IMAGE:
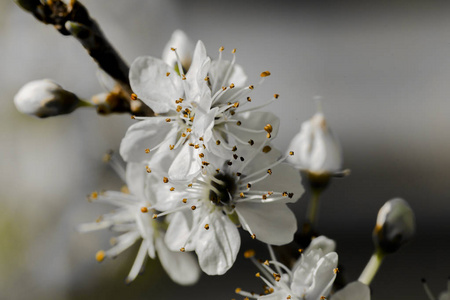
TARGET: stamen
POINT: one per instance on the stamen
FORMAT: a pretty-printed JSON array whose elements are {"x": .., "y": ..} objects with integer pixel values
[{"x": 427, "y": 290}]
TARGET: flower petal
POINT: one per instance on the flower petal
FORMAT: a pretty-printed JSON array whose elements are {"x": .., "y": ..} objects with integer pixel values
[
  {"x": 184, "y": 46},
  {"x": 146, "y": 135},
  {"x": 181, "y": 267},
  {"x": 255, "y": 120},
  {"x": 186, "y": 165},
  {"x": 178, "y": 231},
  {"x": 272, "y": 223},
  {"x": 217, "y": 247},
  {"x": 149, "y": 80}
]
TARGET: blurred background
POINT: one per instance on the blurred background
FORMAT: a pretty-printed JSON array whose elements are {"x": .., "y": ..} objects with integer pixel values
[{"x": 382, "y": 70}]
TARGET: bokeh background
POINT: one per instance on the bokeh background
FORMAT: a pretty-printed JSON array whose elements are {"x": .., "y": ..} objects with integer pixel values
[{"x": 382, "y": 70}]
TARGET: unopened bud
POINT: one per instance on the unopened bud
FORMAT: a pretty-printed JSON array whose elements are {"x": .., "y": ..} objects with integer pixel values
[
  {"x": 395, "y": 225},
  {"x": 45, "y": 98}
]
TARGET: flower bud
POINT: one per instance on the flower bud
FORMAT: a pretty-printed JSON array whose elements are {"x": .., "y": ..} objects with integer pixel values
[
  {"x": 45, "y": 98},
  {"x": 395, "y": 225},
  {"x": 315, "y": 148}
]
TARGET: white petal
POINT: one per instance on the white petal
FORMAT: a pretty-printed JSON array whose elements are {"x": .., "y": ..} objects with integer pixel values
[
  {"x": 138, "y": 262},
  {"x": 272, "y": 223},
  {"x": 353, "y": 291},
  {"x": 218, "y": 71},
  {"x": 145, "y": 135},
  {"x": 149, "y": 81},
  {"x": 181, "y": 267},
  {"x": 204, "y": 123},
  {"x": 217, "y": 247},
  {"x": 197, "y": 71},
  {"x": 178, "y": 231},
  {"x": 186, "y": 165},
  {"x": 136, "y": 176},
  {"x": 324, "y": 276},
  {"x": 184, "y": 46},
  {"x": 277, "y": 295},
  {"x": 322, "y": 242}
]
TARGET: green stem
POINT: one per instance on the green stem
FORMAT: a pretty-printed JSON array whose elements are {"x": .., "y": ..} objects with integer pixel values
[
  {"x": 313, "y": 209},
  {"x": 371, "y": 268}
]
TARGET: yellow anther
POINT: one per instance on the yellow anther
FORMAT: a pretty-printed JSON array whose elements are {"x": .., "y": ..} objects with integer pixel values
[
  {"x": 184, "y": 200},
  {"x": 183, "y": 134},
  {"x": 268, "y": 128},
  {"x": 231, "y": 85},
  {"x": 251, "y": 142},
  {"x": 133, "y": 117},
  {"x": 206, "y": 226},
  {"x": 266, "y": 149},
  {"x": 224, "y": 88},
  {"x": 154, "y": 216},
  {"x": 206, "y": 78},
  {"x": 291, "y": 153},
  {"x": 300, "y": 250},
  {"x": 147, "y": 151},
  {"x": 147, "y": 168},
  {"x": 182, "y": 249},
  {"x": 171, "y": 147},
  {"x": 265, "y": 74},
  {"x": 249, "y": 253},
  {"x": 179, "y": 108},
  {"x": 172, "y": 189},
  {"x": 173, "y": 49},
  {"x": 193, "y": 207},
  {"x": 144, "y": 209},
  {"x": 241, "y": 195},
  {"x": 276, "y": 96},
  {"x": 335, "y": 270},
  {"x": 168, "y": 120},
  {"x": 100, "y": 255},
  {"x": 165, "y": 179},
  {"x": 221, "y": 48},
  {"x": 234, "y": 148},
  {"x": 167, "y": 74},
  {"x": 249, "y": 99},
  {"x": 205, "y": 163},
  {"x": 258, "y": 274},
  {"x": 269, "y": 171},
  {"x": 218, "y": 142},
  {"x": 133, "y": 96},
  {"x": 188, "y": 129},
  {"x": 253, "y": 236},
  {"x": 183, "y": 77},
  {"x": 266, "y": 262},
  {"x": 251, "y": 87},
  {"x": 94, "y": 195},
  {"x": 201, "y": 155},
  {"x": 233, "y": 51},
  {"x": 196, "y": 146}
]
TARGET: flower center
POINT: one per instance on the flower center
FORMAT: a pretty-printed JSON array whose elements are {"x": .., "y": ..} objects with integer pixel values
[{"x": 223, "y": 187}]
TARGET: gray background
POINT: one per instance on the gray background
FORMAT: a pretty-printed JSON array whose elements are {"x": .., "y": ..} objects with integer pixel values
[{"x": 381, "y": 69}]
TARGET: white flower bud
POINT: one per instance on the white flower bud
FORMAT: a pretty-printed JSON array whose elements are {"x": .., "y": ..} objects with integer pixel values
[
  {"x": 315, "y": 149},
  {"x": 395, "y": 225},
  {"x": 45, "y": 98}
]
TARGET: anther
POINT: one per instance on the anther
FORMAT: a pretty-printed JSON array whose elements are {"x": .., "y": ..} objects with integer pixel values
[
  {"x": 242, "y": 195},
  {"x": 229, "y": 163},
  {"x": 238, "y": 174},
  {"x": 241, "y": 158},
  {"x": 238, "y": 123},
  {"x": 251, "y": 142},
  {"x": 269, "y": 171},
  {"x": 100, "y": 255},
  {"x": 183, "y": 77},
  {"x": 264, "y": 197},
  {"x": 147, "y": 151},
  {"x": 94, "y": 195},
  {"x": 173, "y": 49},
  {"x": 266, "y": 262},
  {"x": 172, "y": 189},
  {"x": 165, "y": 179},
  {"x": 133, "y": 117},
  {"x": 197, "y": 146},
  {"x": 179, "y": 108},
  {"x": 251, "y": 87},
  {"x": 184, "y": 200},
  {"x": 235, "y": 156},
  {"x": 182, "y": 249},
  {"x": 285, "y": 194},
  {"x": 133, "y": 96},
  {"x": 288, "y": 297},
  {"x": 290, "y": 195},
  {"x": 253, "y": 236},
  {"x": 335, "y": 270},
  {"x": 276, "y": 96},
  {"x": 266, "y": 149},
  {"x": 249, "y": 253},
  {"x": 154, "y": 216},
  {"x": 265, "y": 74},
  {"x": 167, "y": 74},
  {"x": 249, "y": 99},
  {"x": 268, "y": 128},
  {"x": 218, "y": 142},
  {"x": 300, "y": 250},
  {"x": 193, "y": 207},
  {"x": 144, "y": 209},
  {"x": 291, "y": 153},
  {"x": 205, "y": 163},
  {"x": 234, "y": 148},
  {"x": 224, "y": 88},
  {"x": 201, "y": 155},
  {"x": 258, "y": 274},
  {"x": 233, "y": 51},
  {"x": 168, "y": 120},
  {"x": 231, "y": 85},
  {"x": 207, "y": 226},
  {"x": 148, "y": 169},
  {"x": 249, "y": 185},
  {"x": 206, "y": 78},
  {"x": 237, "y": 290},
  {"x": 221, "y": 48},
  {"x": 171, "y": 147},
  {"x": 201, "y": 138}
]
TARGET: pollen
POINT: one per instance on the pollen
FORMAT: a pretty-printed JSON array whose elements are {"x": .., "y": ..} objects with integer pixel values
[
  {"x": 300, "y": 250},
  {"x": 291, "y": 153},
  {"x": 266, "y": 149},
  {"x": 172, "y": 189},
  {"x": 251, "y": 142},
  {"x": 193, "y": 207},
  {"x": 179, "y": 108},
  {"x": 182, "y": 249},
  {"x": 276, "y": 96},
  {"x": 133, "y": 96},
  {"x": 100, "y": 256},
  {"x": 265, "y": 74},
  {"x": 147, "y": 151},
  {"x": 201, "y": 155},
  {"x": 242, "y": 195},
  {"x": 206, "y": 78},
  {"x": 233, "y": 51},
  {"x": 206, "y": 226},
  {"x": 167, "y": 74},
  {"x": 249, "y": 99},
  {"x": 171, "y": 147},
  {"x": 253, "y": 236},
  {"x": 232, "y": 85},
  {"x": 154, "y": 216},
  {"x": 148, "y": 169},
  {"x": 173, "y": 49},
  {"x": 249, "y": 253},
  {"x": 269, "y": 171},
  {"x": 184, "y": 200},
  {"x": 335, "y": 270},
  {"x": 268, "y": 128},
  {"x": 168, "y": 120},
  {"x": 165, "y": 179},
  {"x": 197, "y": 146},
  {"x": 221, "y": 48},
  {"x": 251, "y": 87},
  {"x": 144, "y": 209},
  {"x": 258, "y": 274}
]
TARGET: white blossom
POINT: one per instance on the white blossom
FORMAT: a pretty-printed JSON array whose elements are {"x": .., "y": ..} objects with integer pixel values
[
  {"x": 202, "y": 106},
  {"x": 132, "y": 220},
  {"x": 353, "y": 291},
  {"x": 316, "y": 149}
]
